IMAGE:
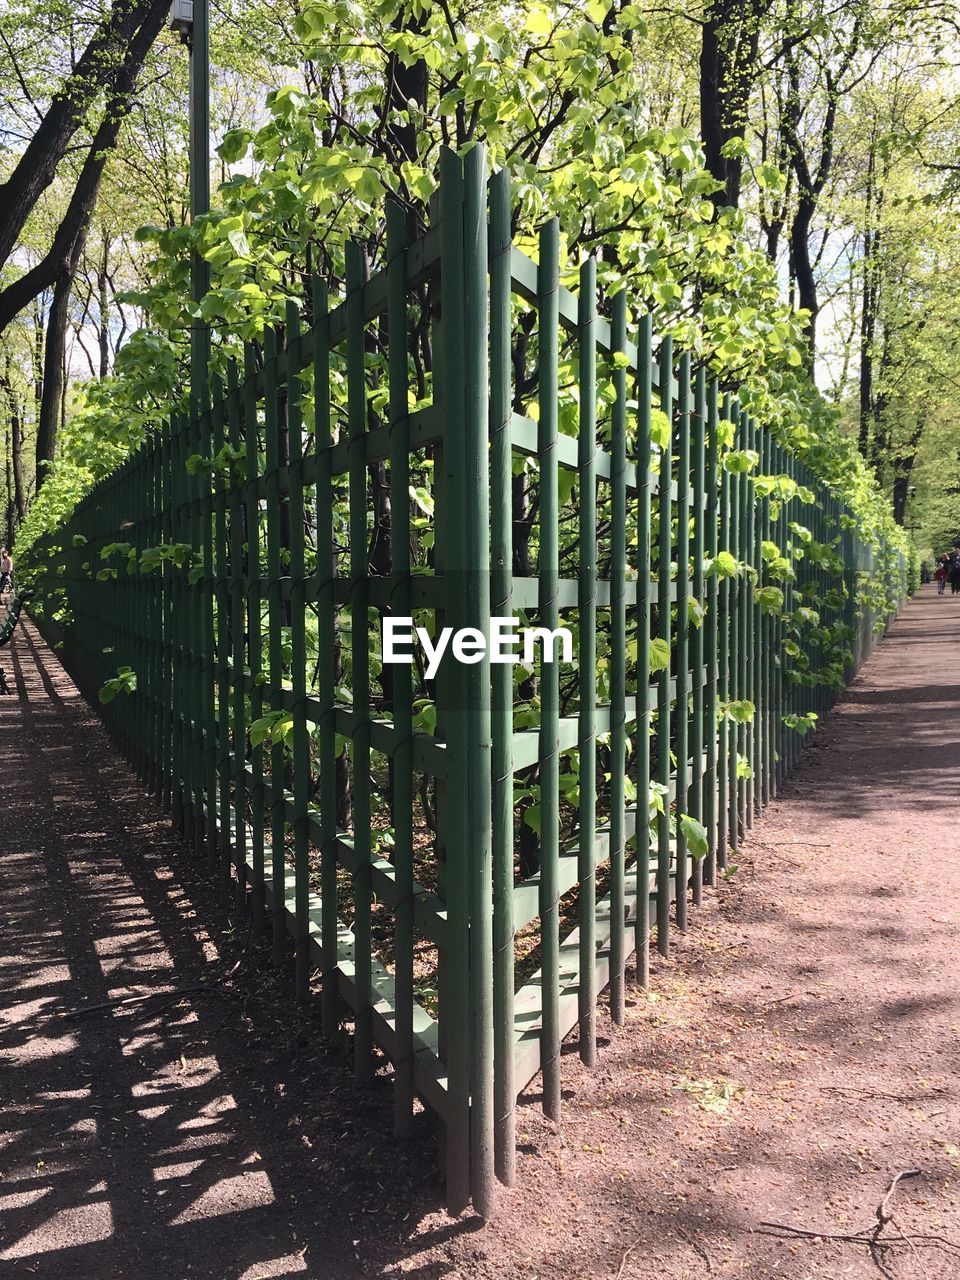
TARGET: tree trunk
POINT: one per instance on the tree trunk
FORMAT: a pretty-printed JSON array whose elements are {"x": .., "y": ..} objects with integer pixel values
[
  {"x": 868, "y": 317},
  {"x": 880, "y": 442},
  {"x": 405, "y": 84},
  {"x": 870, "y": 304},
  {"x": 100, "y": 67},
  {"x": 728, "y": 65},
  {"x": 103, "y": 302},
  {"x": 8, "y": 514},
  {"x": 903, "y": 469},
  {"x": 36, "y": 353},
  {"x": 53, "y": 375},
  {"x": 19, "y": 492},
  {"x": 803, "y": 272},
  {"x": 711, "y": 123},
  {"x": 901, "y": 484},
  {"x": 72, "y": 229},
  {"x": 15, "y": 489},
  {"x": 810, "y": 185}
]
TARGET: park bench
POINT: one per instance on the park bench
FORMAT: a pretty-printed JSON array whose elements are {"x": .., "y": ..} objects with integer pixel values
[{"x": 7, "y": 628}]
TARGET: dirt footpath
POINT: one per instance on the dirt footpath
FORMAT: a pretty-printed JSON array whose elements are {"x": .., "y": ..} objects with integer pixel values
[
  {"x": 799, "y": 1050},
  {"x": 803, "y": 1045}
]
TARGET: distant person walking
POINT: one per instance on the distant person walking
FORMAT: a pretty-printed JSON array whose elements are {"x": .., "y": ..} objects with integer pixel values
[
  {"x": 955, "y": 570},
  {"x": 6, "y": 570},
  {"x": 942, "y": 572}
]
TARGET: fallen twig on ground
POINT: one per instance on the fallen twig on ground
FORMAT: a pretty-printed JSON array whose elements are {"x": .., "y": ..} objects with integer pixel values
[
  {"x": 883, "y": 1208},
  {"x": 171, "y": 996},
  {"x": 884, "y": 1215},
  {"x": 805, "y": 1233},
  {"x": 174, "y": 994},
  {"x": 790, "y": 844},
  {"x": 930, "y": 1096},
  {"x": 871, "y": 1238},
  {"x": 856, "y": 1237},
  {"x": 697, "y": 1248},
  {"x": 792, "y": 996},
  {"x": 623, "y": 1260}
]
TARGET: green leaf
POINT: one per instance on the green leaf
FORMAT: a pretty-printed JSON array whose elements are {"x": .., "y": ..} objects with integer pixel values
[
  {"x": 274, "y": 727},
  {"x": 801, "y": 723},
  {"x": 125, "y": 681},
  {"x": 660, "y": 430},
  {"x": 741, "y": 461},
  {"x": 539, "y": 22},
  {"x": 725, "y": 433},
  {"x": 723, "y": 565},
  {"x": 770, "y": 178},
  {"x": 114, "y": 549},
  {"x": 425, "y": 717},
  {"x": 742, "y": 710},
  {"x": 695, "y": 834},
  {"x": 659, "y": 655},
  {"x": 234, "y": 145},
  {"x": 239, "y": 243}
]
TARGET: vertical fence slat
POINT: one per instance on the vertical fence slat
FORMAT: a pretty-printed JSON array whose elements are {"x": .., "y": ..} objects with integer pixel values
[
  {"x": 220, "y": 588},
  {"x": 501, "y": 605},
  {"x": 754, "y": 659},
  {"x": 237, "y": 666},
  {"x": 644, "y": 514},
  {"x": 168, "y": 731},
  {"x": 207, "y": 671},
  {"x": 735, "y": 604},
  {"x": 587, "y": 656},
  {"x": 766, "y": 640},
  {"x": 695, "y": 803},
  {"x": 251, "y": 436},
  {"x": 275, "y": 620},
  {"x": 477, "y": 677},
  {"x": 356, "y": 274},
  {"x": 618, "y": 656},
  {"x": 548, "y": 572},
  {"x": 400, "y": 605},
  {"x": 298, "y": 645},
  {"x": 681, "y": 733},
  {"x": 744, "y": 631},
  {"x": 177, "y": 656},
  {"x": 712, "y": 623},
  {"x": 452, "y": 818},
  {"x": 326, "y": 664},
  {"x": 664, "y": 559}
]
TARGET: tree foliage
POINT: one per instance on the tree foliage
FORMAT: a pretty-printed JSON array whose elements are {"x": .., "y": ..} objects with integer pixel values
[{"x": 324, "y": 111}]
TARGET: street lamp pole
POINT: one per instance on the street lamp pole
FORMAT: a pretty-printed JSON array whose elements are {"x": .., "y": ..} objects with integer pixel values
[
  {"x": 199, "y": 189},
  {"x": 191, "y": 19}
]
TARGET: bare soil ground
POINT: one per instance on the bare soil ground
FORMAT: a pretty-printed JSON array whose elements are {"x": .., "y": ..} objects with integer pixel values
[{"x": 799, "y": 1050}]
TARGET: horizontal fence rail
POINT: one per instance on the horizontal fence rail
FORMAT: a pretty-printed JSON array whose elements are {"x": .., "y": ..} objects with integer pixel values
[{"x": 467, "y": 859}]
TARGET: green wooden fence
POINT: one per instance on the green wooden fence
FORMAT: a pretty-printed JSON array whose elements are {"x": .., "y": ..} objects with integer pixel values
[{"x": 370, "y": 819}]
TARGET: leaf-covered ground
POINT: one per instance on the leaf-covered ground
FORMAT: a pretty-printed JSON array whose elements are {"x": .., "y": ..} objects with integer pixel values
[{"x": 799, "y": 1050}]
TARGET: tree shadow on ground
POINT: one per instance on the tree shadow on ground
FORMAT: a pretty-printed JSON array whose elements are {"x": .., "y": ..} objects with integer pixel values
[{"x": 205, "y": 1132}]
